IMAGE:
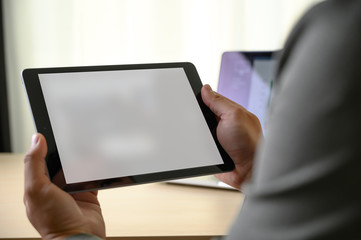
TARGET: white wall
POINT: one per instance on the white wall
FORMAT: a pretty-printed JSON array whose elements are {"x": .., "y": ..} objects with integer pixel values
[{"x": 41, "y": 33}]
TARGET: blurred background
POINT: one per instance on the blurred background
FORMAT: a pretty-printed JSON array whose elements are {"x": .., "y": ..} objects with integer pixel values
[{"x": 43, "y": 33}]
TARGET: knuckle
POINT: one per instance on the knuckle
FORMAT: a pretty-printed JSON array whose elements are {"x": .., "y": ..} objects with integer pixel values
[
  {"x": 35, "y": 194},
  {"x": 216, "y": 97},
  {"x": 32, "y": 189},
  {"x": 35, "y": 188},
  {"x": 29, "y": 156},
  {"x": 238, "y": 113}
]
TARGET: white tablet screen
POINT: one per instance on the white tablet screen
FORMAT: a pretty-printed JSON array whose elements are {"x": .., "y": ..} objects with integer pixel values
[{"x": 110, "y": 124}]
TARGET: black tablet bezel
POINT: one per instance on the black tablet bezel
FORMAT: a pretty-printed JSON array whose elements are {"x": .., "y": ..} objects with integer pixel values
[{"x": 43, "y": 125}]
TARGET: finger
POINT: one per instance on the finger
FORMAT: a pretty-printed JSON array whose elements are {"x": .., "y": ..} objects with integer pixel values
[
  {"x": 35, "y": 169},
  {"x": 216, "y": 102},
  {"x": 87, "y": 197}
]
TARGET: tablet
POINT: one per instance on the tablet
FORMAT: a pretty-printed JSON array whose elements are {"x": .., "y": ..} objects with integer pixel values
[{"x": 112, "y": 126}]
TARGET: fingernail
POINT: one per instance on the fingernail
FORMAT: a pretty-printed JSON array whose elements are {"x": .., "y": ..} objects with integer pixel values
[
  {"x": 34, "y": 140},
  {"x": 208, "y": 87}
]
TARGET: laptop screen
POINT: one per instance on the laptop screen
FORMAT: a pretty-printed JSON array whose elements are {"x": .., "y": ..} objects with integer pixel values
[{"x": 247, "y": 78}]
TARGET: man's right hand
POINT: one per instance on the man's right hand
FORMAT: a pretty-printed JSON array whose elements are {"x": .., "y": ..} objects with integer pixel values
[{"x": 238, "y": 131}]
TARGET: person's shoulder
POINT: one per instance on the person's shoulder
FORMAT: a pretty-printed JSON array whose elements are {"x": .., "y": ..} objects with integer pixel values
[
  {"x": 340, "y": 18},
  {"x": 327, "y": 13},
  {"x": 298, "y": 31}
]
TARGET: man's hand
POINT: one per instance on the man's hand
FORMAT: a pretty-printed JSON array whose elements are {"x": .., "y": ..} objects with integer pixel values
[
  {"x": 54, "y": 213},
  {"x": 238, "y": 132}
]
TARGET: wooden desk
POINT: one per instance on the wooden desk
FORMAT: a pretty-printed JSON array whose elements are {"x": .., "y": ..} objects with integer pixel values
[{"x": 157, "y": 210}]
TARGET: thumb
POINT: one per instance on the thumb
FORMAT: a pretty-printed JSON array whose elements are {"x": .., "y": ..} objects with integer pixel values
[
  {"x": 216, "y": 102},
  {"x": 35, "y": 169}
]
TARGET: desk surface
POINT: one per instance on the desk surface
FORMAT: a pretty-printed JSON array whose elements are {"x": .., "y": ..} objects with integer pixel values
[{"x": 150, "y": 210}]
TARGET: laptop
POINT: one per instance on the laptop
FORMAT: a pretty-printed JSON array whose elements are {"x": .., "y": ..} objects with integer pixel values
[{"x": 247, "y": 79}]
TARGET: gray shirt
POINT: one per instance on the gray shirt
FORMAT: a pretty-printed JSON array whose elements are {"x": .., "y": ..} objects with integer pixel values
[{"x": 307, "y": 175}]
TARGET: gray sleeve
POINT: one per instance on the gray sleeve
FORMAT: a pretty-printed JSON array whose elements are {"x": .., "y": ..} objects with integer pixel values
[{"x": 307, "y": 175}]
